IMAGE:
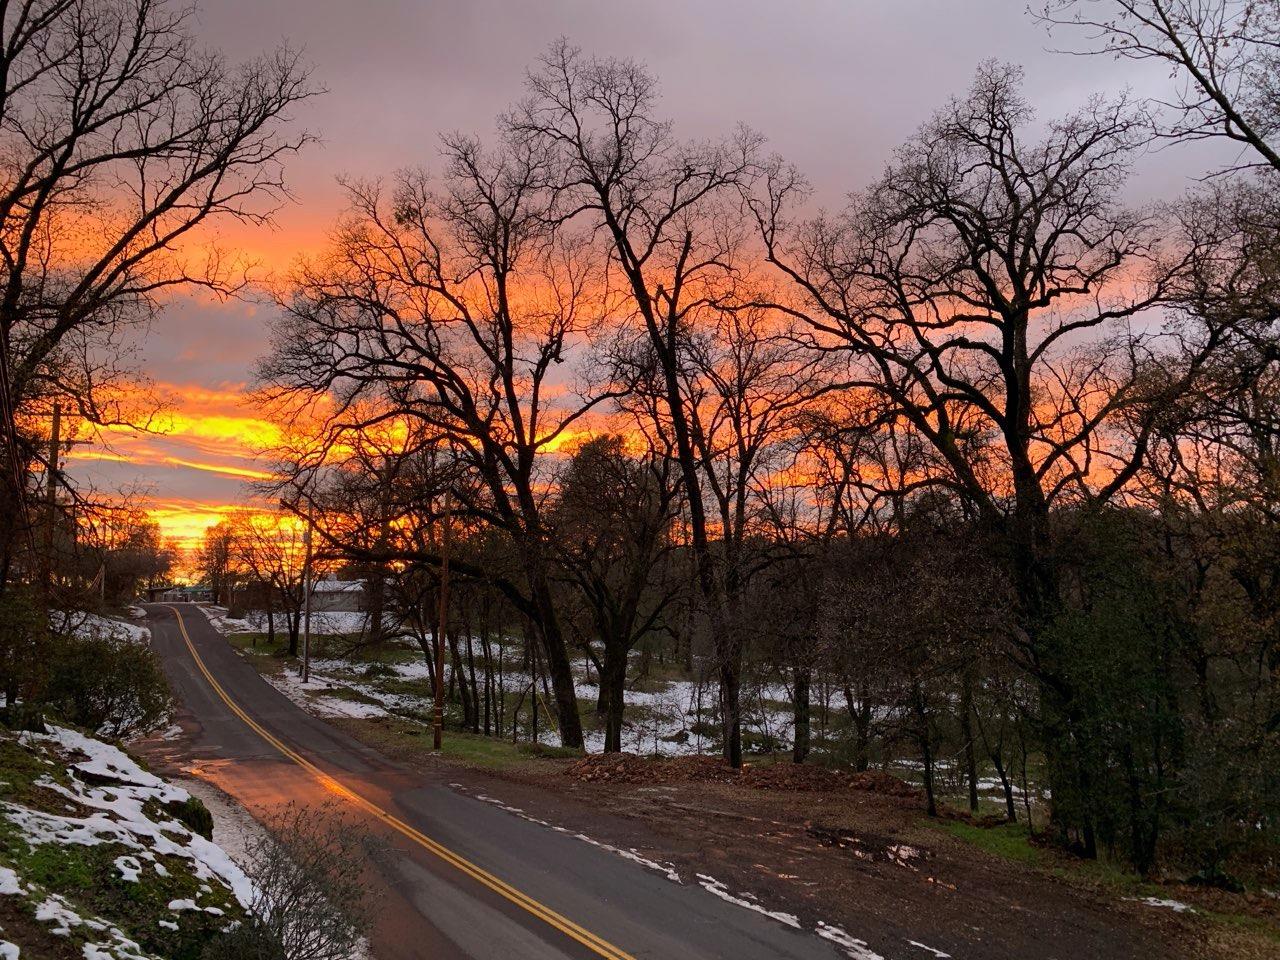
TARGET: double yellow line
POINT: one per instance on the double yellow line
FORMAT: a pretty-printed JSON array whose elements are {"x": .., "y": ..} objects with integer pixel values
[{"x": 560, "y": 922}]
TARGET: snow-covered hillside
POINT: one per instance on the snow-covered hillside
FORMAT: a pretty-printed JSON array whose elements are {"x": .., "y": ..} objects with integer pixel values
[{"x": 101, "y": 859}]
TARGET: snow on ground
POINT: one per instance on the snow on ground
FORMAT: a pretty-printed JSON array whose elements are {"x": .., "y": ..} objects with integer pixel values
[
  {"x": 337, "y": 621},
  {"x": 1177, "y": 906},
  {"x": 234, "y": 829},
  {"x": 854, "y": 948},
  {"x": 118, "y": 811},
  {"x": 312, "y": 698},
  {"x": 665, "y": 724},
  {"x": 110, "y": 800},
  {"x": 224, "y": 624},
  {"x": 658, "y": 722},
  {"x": 91, "y": 626},
  {"x": 323, "y": 622}
]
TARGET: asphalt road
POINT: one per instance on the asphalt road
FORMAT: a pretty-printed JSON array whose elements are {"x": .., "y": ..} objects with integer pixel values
[{"x": 458, "y": 877}]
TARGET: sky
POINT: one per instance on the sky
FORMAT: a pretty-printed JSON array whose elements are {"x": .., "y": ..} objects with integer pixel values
[{"x": 833, "y": 84}]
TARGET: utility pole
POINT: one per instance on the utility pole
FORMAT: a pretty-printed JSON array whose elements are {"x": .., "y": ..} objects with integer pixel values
[
  {"x": 51, "y": 495},
  {"x": 306, "y": 603},
  {"x": 443, "y": 624}
]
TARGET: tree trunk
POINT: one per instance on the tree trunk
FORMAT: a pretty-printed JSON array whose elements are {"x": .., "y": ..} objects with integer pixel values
[
  {"x": 293, "y": 622},
  {"x": 731, "y": 708},
  {"x": 1010, "y": 810},
  {"x": 375, "y": 589},
  {"x": 613, "y": 684},
  {"x": 925, "y": 740},
  {"x": 546, "y": 623},
  {"x": 860, "y": 713},
  {"x": 800, "y": 704},
  {"x": 487, "y": 652},
  {"x": 457, "y": 673},
  {"x": 966, "y": 732},
  {"x": 471, "y": 676}
]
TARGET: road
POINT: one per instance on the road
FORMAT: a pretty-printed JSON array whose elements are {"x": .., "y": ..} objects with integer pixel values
[{"x": 458, "y": 877}]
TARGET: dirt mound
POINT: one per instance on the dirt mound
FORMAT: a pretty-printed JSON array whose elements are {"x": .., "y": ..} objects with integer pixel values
[
  {"x": 809, "y": 778},
  {"x": 878, "y": 782},
  {"x": 629, "y": 768},
  {"x": 796, "y": 776}
]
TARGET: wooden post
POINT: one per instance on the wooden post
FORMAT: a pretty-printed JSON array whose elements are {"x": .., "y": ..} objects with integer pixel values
[
  {"x": 51, "y": 497},
  {"x": 306, "y": 604},
  {"x": 443, "y": 624}
]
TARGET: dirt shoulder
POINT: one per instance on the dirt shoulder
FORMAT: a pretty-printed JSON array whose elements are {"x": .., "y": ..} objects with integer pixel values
[
  {"x": 858, "y": 858},
  {"x": 852, "y": 851}
]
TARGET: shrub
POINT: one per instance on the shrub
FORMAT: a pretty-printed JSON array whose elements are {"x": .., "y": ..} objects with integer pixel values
[
  {"x": 111, "y": 686},
  {"x": 246, "y": 941},
  {"x": 193, "y": 814},
  {"x": 310, "y": 900},
  {"x": 23, "y": 636}
]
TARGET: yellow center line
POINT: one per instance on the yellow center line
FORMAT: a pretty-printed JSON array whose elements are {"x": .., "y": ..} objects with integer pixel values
[{"x": 566, "y": 926}]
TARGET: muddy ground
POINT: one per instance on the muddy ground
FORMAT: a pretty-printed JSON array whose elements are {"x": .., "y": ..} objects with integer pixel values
[{"x": 864, "y": 859}]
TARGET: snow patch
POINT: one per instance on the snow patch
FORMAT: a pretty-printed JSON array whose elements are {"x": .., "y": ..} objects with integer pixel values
[
  {"x": 90, "y": 626},
  {"x": 130, "y": 869},
  {"x": 117, "y": 813},
  {"x": 1177, "y": 906},
  {"x": 9, "y": 885},
  {"x": 928, "y": 949},
  {"x": 666, "y": 869},
  {"x": 717, "y": 888},
  {"x": 854, "y": 948},
  {"x": 311, "y": 698}
]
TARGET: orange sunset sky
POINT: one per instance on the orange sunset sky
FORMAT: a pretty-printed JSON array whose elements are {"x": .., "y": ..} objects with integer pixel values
[{"x": 824, "y": 80}]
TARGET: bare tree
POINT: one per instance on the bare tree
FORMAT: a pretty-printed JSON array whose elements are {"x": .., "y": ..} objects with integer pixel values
[
  {"x": 310, "y": 895},
  {"x": 1224, "y": 55},
  {"x": 269, "y": 548},
  {"x": 667, "y": 213},
  {"x": 119, "y": 137},
  {"x": 215, "y": 559},
  {"x": 982, "y": 288},
  {"x": 457, "y": 308}
]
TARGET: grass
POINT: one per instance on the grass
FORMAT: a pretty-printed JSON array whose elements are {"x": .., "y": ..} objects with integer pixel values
[
  {"x": 1008, "y": 841},
  {"x": 1254, "y": 927},
  {"x": 493, "y": 753},
  {"x": 256, "y": 643},
  {"x": 407, "y": 739},
  {"x": 373, "y": 670},
  {"x": 1011, "y": 842}
]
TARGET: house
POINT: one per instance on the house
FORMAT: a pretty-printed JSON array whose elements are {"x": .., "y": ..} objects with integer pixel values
[
  {"x": 330, "y": 593},
  {"x": 195, "y": 593}
]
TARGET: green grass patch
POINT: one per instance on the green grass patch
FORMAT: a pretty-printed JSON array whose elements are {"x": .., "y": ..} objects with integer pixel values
[
  {"x": 19, "y": 771},
  {"x": 257, "y": 643},
  {"x": 408, "y": 739},
  {"x": 1255, "y": 926},
  {"x": 491, "y": 752},
  {"x": 1009, "y": 840}
]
